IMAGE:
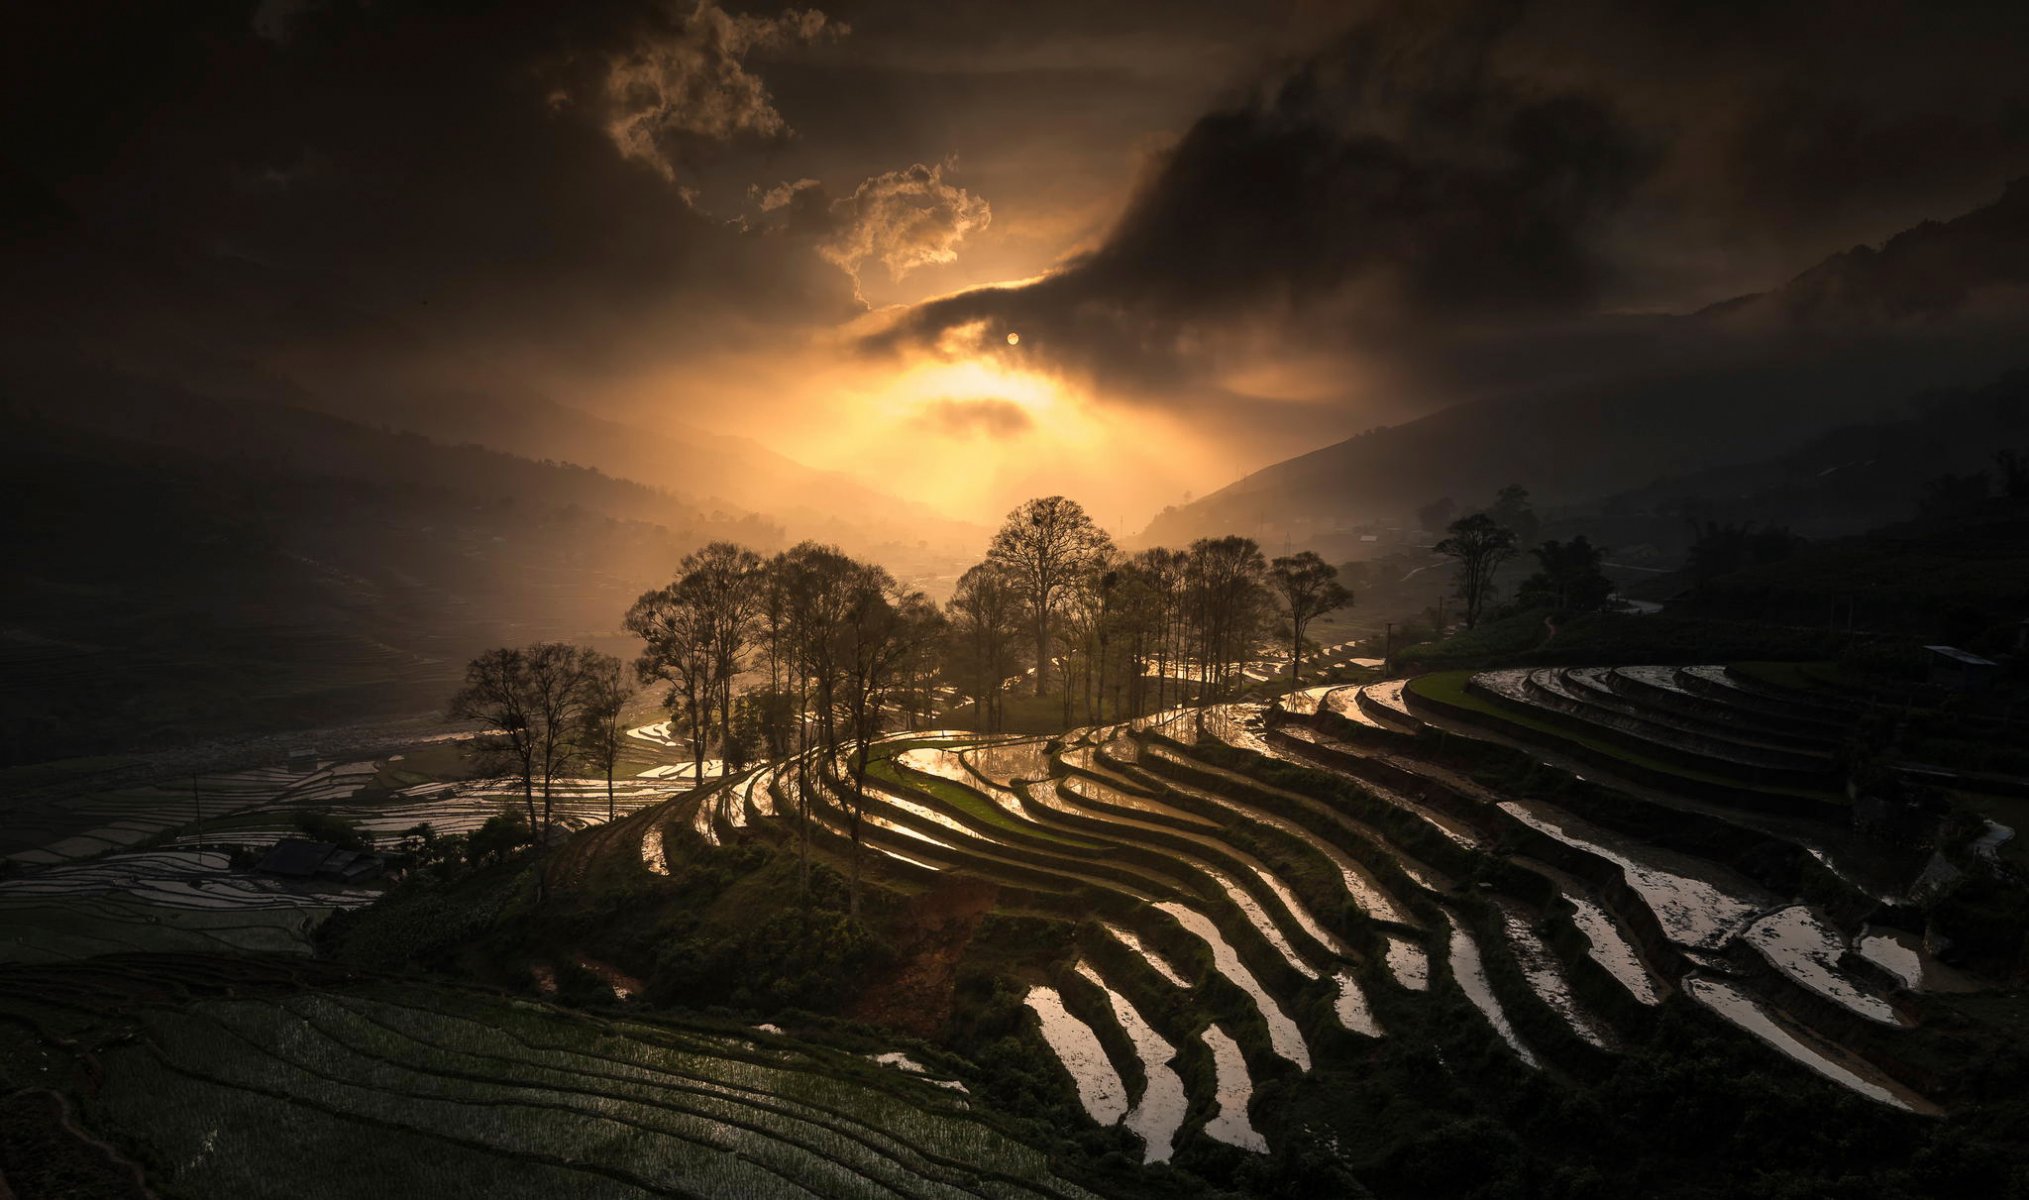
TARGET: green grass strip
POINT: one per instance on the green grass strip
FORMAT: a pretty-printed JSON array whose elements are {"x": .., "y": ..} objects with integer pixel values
[{"x": 969, "y": 802}]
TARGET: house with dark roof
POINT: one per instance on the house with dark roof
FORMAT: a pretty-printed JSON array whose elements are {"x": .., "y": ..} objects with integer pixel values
[
  {"x": 1960, "y": 670},
  {"x": 297, "y": 858}
]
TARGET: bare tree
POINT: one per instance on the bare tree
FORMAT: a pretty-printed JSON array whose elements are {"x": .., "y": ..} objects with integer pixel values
[
  {"x": 1309, "y": 587},
  {"x": 1480, "y": 544},
  {"x": 533, "y": 698},
  {"x": 496, "y": 694},
  {"x": 880, "y": 628},
  {"x": 1164, "y": 570},
  {"x": 985, "y": 623},
  {"x": 726, "y": 581},
  {"x": 560, "y": 678},
  {"x": 604, "y": 732},
  {"x": 1228, "y": 582},
  {"x": 1046, "y": 545},
  {"x": 815, "y": 582},
  {"x": 676, "y": 631}
]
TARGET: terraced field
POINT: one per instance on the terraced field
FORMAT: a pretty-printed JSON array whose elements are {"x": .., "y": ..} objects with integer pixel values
[
  {"x": 225, "y": 1079},
  {"x": 104, "y": 865},
  {"x": 1247, "y": 933},
  {"x": 1252, "y": 886}
]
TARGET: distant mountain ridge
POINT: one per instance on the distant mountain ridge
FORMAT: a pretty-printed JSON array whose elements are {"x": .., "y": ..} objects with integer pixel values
[
  {"x": 213, "y": 323},
  {"x": 1942, "y": 304}
]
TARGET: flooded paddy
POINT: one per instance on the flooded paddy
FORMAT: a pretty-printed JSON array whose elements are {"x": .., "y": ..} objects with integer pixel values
[
  {"x": 1100, "y": 1090},
  {"x": 1148, "y": 954},
  {"x": 1612, "y": 950},
  {"x": 1698, "y": 903},
  {"x": 1800, "y": 944},
  {"x": 1829, "y": 1061},
  {"x": 1283, "y": 1034},
  {"x": 1229, "y": 1123},
  {"x": 1546, "y": 977},
  {"x": 1157, "y": 1116},
  {"x": 1471, "y": 977}
]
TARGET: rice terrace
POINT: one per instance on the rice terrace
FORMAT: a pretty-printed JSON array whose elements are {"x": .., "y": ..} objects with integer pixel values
[{"x": 732, "y": 600}]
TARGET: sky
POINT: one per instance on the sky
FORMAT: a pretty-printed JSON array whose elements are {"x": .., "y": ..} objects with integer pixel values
[{"x": 970, "y": 252}]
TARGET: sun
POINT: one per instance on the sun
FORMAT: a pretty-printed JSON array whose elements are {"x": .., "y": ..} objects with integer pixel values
[{"x": 1014, "y": 339}]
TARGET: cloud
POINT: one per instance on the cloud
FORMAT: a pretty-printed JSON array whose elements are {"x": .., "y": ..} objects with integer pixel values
[
  {"x": 1442, "y": 191},
  {"x": 903, "y": 219},
  {"x": 988, "y": 417},
  {"x": 679, "y": 87}
]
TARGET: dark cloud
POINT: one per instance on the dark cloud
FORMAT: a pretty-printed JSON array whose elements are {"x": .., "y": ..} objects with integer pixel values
[
  {"x": 442, "y": 177},
  {"x": 979, "y": 417},
  {"x": 1446, "y": 186},
  {"x": 690, "y": 82}
]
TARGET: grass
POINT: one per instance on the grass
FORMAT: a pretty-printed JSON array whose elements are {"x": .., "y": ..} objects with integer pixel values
[
  {"x": 971, "y": 803},
  {"x": 1449, "y": 687}
]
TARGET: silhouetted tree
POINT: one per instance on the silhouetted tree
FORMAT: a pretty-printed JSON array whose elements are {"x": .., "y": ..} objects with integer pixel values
[
  {"x": 604, "y": 731},
  {"x": 879, "y": 628},
  {"x": 674, "y": 625},
  {"x": 726, "y": 580},
  {"x": 1309, "y": 587},
  {"x": 985, "y": 626},
  {"x": 1480, "y": 544},
  {"x": 1512, "y": 511},
  {"x": 1046, "y": 546},
  {"x": 535, "y": 697},
  {"x": 496, "y": 694},
  {"x": 1568, "y": 578},
  {"x": 1229, "y": 601}
]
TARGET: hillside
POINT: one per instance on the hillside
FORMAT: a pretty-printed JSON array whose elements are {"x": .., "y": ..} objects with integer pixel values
[
  {"x": 245, "y": 568},
  {"x": 1933, "y": 307}
]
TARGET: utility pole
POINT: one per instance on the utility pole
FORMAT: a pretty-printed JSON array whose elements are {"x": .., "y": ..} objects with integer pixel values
[{"x": 1388, "y": 653}]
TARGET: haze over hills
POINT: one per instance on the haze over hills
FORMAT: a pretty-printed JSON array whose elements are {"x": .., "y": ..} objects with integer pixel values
[
  {"x": 1644, "y": 398},
  {"x": 179, "y": 318}
]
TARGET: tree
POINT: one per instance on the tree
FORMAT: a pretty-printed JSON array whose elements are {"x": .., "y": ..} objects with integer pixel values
[
  {"x": 879, "y": 628},
  {"x": 531, "y": 699},
  {"x": 496, "y": 695},
  {"x": 534, "y": 697},
  {"x": 499, "y": 837},
  {"x": 985, "y": 626},
  {"x": 560, "y": 680},
  {"x": 2014, "y": 469},
  {"x": 1569, "y": 578},
  {"x": 1228, "y": 599},
  {"x": 725, "y": 581},
  {"x": 1163, "y": 571},
  {"x": 816, "y": 586},
  {"x": 604, "y": 733},
  {"x": 1046, "y": 545},
  {"x": 1512, "y": 512},
  {"x": 674, "y": 626},
  {"x": 1481, "y": 545},
  {"x": 1309, "y": 587}
]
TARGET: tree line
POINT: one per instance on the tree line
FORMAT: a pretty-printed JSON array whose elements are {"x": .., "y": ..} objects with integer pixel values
[{"x": 810, "y": 655}]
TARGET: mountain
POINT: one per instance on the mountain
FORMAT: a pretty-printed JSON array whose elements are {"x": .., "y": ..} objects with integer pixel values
[
  {"x": 1943, "y": 304},
  {"x": 206, "y": 321},
  {"x": 185, "y": 567}
]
